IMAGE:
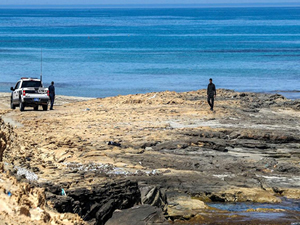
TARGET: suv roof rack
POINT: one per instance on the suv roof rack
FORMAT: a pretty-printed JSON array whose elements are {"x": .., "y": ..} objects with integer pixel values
[{"x": 22, "y": 78}]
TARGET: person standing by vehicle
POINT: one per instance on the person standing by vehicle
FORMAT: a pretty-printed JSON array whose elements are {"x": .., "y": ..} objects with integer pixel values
[
  {"x": 51, "y": 94},
  {"x": 211, "y": 94}
]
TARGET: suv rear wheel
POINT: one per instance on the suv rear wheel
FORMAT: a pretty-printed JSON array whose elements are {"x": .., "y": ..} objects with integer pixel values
[
  {"x": 45, "y": 107},
  {"x": 22, "y": 106}
]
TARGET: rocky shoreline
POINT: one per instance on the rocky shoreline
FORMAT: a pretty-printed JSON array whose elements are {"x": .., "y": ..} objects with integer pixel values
[{"x": 160, "y": 157}]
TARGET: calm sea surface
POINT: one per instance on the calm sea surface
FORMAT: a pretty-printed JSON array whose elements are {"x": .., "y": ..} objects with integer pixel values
[{"x": 107, "y": 52}]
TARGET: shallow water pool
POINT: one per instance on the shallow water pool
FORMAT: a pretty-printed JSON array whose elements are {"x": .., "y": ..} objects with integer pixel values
[
  {"x": 286, "y": 212},
  {"x": 286, "y": 204}
]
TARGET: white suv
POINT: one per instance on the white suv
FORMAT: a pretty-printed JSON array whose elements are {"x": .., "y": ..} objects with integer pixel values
[{"x": 29, "y": 92}]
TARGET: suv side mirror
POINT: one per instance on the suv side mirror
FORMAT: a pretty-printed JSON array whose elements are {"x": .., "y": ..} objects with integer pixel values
[{"x": 12, "y": 89}]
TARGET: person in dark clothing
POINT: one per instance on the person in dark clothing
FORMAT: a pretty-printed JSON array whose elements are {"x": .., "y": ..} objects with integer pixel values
[
  {"x": 211, "y": 94},
  {"x": 51, "y": 94}
]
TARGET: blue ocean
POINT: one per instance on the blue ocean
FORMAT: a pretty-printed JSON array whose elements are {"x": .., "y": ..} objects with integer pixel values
[{"x": 100, "y": 52}]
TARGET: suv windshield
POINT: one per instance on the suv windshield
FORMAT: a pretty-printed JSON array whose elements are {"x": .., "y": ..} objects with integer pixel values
[{"x": 31, "y": 83}]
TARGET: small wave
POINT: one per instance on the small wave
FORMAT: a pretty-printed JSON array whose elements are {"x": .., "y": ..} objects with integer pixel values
[{"x": 292, "y": 91}]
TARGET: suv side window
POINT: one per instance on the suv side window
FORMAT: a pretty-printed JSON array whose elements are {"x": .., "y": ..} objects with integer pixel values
[{"x": 17, "y": 85}]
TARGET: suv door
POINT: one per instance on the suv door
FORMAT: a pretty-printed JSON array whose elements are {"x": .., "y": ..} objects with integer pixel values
[{"x": 15, "y": 94}]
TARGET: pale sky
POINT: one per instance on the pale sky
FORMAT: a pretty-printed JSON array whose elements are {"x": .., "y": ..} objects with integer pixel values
[{"x": 126, "y": 2}]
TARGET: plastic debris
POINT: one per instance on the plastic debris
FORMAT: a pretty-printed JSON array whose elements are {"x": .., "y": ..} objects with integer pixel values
[
  {"x": 28, "y": 174},
  {"x": 9, "y": 194},
  {"x": 152, "y": 96},
  {"x": 114, "y": 143},
  {"x": 63, "y": 192},
  {"x": 109, "y": 169}
]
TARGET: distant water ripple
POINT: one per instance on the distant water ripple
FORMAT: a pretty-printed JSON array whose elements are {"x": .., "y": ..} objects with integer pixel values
[{"x": 106, "y": 52}]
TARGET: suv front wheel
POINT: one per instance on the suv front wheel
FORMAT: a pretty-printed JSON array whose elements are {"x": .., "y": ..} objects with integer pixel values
[{"x": 12, "y": 106}]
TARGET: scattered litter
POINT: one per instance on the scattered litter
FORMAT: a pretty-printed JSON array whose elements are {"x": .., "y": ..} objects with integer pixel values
[
  {"x": 118, "y": 171},
  {"x": 153, "y": 172},
  {"x": 63, "y": 192},
  {"x": 9, "y": 194},
  {"x": 87, "y": 109},
  {"x": 114, "y": 143},
  {"x": 28, "y": 174},
  {"x": 152, "y": 96},
  {"x": 89, "y": 167},
  {"x": 109, "y": 169}
]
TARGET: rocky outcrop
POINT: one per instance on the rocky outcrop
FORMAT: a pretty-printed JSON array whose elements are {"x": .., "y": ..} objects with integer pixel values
[
  {"x": 22, "y": 203},
  {"x": 169, "y": 141},
  {"x": 183, "y": 207},
  {"x": 256, "y": 195},
  {"x": 154, "y": 196},
  {"x": 6, "y": 132},
  {"x": 139, "y": 215},
  {"x": 97, "y": 203}
]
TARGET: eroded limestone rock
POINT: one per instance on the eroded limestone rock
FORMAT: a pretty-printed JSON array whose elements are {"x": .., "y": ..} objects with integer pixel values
[{"x": 5, "y": 137}]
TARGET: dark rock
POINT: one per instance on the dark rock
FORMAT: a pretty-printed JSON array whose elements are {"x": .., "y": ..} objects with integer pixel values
[
  {"x": 106, "y": 212},
  {"x": 219, "y": 148},
  {"x": 153, "y": 195},
  {"x": 250, "y": 110},
  {"x": 254, "y": 144},
  {"x": 21, "y": 177},
  {"x": 52, "y": 188},
  {"x": 99, "y": 202},
  {"x": 138, "y": 215},
  {"x": 171, "y": 145},
  {"x": 276, "y": 96},
  {"x": 277, "y": 190},
  {"x": 114, "y": 143},
  {"x": 287, "y": 168},
  {"x": 62, "y": 204},
  {"x": 217, "y": 198},
  {"x": 35, "y": 169},
  {"x": 145, "y": 145},
  {"x": 93, "y": 210}
]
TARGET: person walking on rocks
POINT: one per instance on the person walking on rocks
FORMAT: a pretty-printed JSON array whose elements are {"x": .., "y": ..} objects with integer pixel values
[
  {"x": 51, "y": 94},
  {"x": 211, "y": 94}
]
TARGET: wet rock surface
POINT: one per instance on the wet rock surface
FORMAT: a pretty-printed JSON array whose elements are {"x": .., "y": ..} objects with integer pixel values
[
  {"x": 140, "y": 215},
  {"x": 171, "y": 144}
]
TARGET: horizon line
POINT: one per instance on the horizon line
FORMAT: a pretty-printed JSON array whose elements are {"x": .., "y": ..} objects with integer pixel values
[{"x": 190, "y": 5}]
